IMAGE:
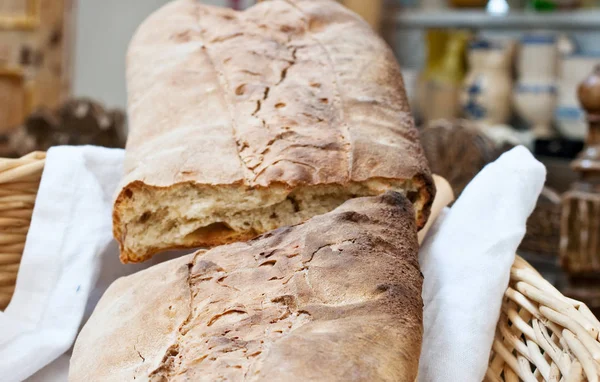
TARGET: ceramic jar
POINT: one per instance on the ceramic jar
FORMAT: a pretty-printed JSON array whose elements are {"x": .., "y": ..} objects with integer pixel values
[
  {"x": 538, "y": 56},
  {"x": 535, "y": 101},
  {"x": 485, "y": 95},
  {"x": 535, "y": 94},
  {"x": 569, "y": 117}
]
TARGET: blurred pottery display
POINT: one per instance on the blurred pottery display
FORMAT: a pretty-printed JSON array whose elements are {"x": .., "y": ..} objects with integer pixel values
[
  {"x": 570, "y": 121},
  {"x": 569, "y": 116},
  {"x": 535, "y": 101},
  {"x": 538, "y": 55},
  {"x": 440, "y": 83},
  {"x": 580, "y": 220},
  {"x": 535, "y": 94},
  {"x": 485, "y": 94}
]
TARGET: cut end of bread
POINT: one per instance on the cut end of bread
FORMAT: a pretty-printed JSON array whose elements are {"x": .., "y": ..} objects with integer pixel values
[{"x": 148, "y": 219}]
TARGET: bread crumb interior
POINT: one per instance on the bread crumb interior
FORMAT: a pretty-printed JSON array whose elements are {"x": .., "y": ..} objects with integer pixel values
[{"x": 190, "y": 214}]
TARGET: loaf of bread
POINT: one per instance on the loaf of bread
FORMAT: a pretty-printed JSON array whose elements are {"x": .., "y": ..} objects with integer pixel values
[
  {"x": 242, "y": 122},
  {"x": 337, "y": 298}
]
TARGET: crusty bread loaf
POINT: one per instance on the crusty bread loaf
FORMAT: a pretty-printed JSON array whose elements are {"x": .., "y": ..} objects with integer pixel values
[
  {"x": 242, "y": 122},
  {"x": 337, "y": 298}
]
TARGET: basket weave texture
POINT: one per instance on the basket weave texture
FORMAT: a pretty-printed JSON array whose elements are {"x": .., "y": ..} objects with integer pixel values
[
  {"x": 580, "y": 233},
  {"x": 19, "y": 183},
  {"x": 543, "y": 225},
  {"x": 541, "y": 335}
]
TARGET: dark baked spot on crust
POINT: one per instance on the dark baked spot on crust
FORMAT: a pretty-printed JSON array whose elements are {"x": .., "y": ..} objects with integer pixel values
[
  {"x": 352, "y": 216},
  {"x": 268, "y": 263},
  {"x": 228, "y": 313},
  {"x": 240, "y": 90}
]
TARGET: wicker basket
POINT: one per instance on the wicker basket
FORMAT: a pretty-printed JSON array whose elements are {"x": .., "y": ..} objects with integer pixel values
[
  {"x": 579, "y": 246},
  {"x": 543, "y": 225},
  {"x": 541, "y": 335},
  {"x": 19, "y": 183}
]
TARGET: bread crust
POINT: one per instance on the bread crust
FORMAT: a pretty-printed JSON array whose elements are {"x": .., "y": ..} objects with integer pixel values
[
  {"x": 337, "y": 298},
  {"x": 288, "y": 92}
]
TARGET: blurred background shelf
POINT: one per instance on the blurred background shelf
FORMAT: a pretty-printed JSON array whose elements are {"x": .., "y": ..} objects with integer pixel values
[{"x": 480, "y": 19}]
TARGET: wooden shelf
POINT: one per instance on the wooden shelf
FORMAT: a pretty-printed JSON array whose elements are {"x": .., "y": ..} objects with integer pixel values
[{"x": 479, "y": 19}]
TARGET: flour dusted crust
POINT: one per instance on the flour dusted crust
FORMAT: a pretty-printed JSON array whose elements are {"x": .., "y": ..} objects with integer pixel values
[
  {"x": 337, "y": 298},
  {"x": 242, "y": 122}
]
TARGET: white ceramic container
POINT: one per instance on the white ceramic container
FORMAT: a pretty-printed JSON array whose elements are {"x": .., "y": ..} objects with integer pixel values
[{"x": 486, "y": 92}]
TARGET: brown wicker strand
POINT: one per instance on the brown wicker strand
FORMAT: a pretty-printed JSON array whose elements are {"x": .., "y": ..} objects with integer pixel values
[
  {"x": 10, "y": 258},
  {"x": 19, "y": 183},
  {"x": 25, "y": 172}
]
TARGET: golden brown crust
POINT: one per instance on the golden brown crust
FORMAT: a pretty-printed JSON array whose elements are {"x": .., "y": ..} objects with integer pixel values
[
  {"x": 298, "y": 92},
  {"x": 337, "y": 298}
]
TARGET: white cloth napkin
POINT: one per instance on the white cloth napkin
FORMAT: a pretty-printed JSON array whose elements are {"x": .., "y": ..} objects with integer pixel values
[
  {"x": 70, "y": 259},
  {"x": 466, "y": 259},
  {"x": 70, "y": 229}
]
